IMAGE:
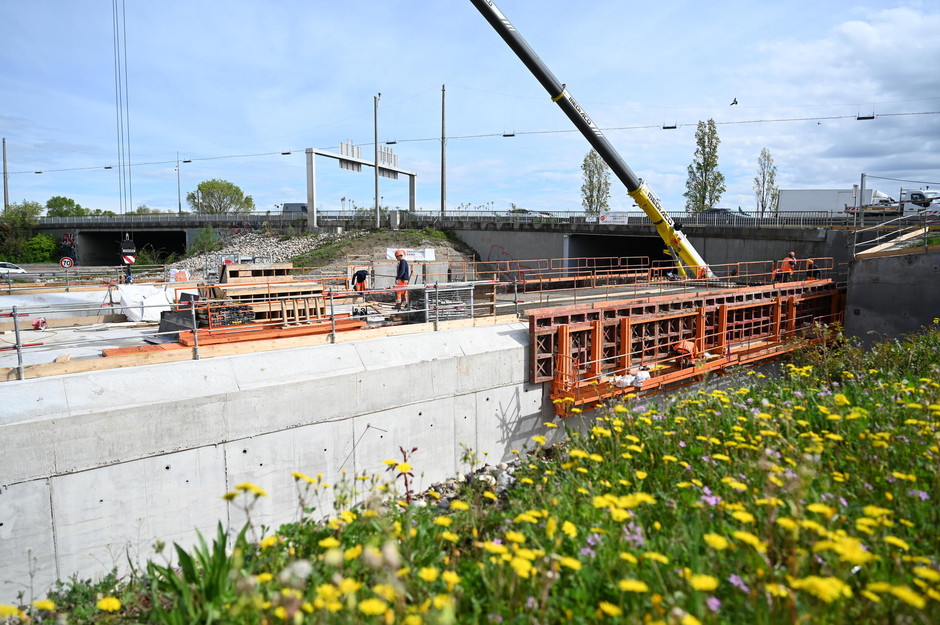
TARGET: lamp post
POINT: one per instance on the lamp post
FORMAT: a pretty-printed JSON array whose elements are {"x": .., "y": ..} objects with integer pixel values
[
  {"x": 179, "y": 199},
  {"x": 375, "y": 125}
]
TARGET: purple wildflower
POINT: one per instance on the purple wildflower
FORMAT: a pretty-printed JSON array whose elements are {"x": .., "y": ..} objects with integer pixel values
[
  {"x": 737, "y": 582},
  {"x": 919, "y": 493},
  {"x": 587, "y": 551},
  {"x": 713, "y": 603},
  {"x": 594, "y": 539}
]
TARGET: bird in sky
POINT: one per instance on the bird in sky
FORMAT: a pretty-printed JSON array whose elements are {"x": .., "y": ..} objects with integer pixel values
[{"x": 733, "y": 102}]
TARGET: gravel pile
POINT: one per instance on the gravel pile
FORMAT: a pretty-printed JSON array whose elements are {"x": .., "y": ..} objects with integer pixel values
[{"x": 257, "y": 244}]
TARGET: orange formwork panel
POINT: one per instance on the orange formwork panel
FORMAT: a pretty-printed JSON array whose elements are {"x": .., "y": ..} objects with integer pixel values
[{"x": 584, "y": 350}]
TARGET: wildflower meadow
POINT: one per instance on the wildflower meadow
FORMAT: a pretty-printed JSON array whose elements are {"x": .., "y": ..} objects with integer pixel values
[{"x": 808, "y": 496}]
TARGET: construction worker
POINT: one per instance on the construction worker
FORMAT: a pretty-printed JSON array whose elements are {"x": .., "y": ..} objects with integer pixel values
[
  {"x": 812, "y": 271},
  {"x": 685, "y": 352},
  {"x": 787, "y": 267},
  {"x": 359, "y": 280},
  {"x": 402, "y": 276}
]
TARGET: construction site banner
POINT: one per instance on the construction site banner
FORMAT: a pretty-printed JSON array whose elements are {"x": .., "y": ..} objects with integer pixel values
[
  {"x": 613, "y": 218},
  {"x": 412, "y": 254}
]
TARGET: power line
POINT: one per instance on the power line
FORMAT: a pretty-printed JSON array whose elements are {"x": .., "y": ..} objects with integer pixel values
[{"x": 479, "y": 136}]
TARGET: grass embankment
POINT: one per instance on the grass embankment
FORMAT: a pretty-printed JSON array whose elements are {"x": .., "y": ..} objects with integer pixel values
[
  {"x": 337, "y": 249},
  {"x": 812, "y": 498}
]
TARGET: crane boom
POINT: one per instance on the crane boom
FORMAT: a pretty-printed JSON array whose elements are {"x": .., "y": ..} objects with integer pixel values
[{"x": 678, "y": 244}]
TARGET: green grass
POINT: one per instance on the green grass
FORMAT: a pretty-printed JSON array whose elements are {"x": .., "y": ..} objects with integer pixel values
[
  {"x": 809, "y": 498},
  {"x": 336, "y": 250}
]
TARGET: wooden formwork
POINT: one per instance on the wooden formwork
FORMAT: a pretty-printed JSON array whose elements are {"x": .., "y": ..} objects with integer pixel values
[{"x": 579, "y": 348}]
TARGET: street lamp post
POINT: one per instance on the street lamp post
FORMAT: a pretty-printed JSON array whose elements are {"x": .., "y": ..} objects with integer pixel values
[
  {"x": 375, "y": 125},
  {"x": 179, "y": 199}
]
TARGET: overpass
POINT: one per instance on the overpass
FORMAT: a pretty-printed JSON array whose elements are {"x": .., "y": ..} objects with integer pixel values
[{"x": 495, "y": 236}]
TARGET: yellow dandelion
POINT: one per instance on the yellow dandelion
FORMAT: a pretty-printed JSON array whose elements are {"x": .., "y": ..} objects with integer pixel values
[
  {"x": 704, "y": 583},
  {"x": 609, "y": 609},
  {"x": 743, "y": 517},
  {"x": 923, "y": 572},
  {"x": 450, "y": 536},
  {"x": 372, "y": 606},
  {"x": 716, "y": 541},
  {"x": 329, "y": 542},
  {"x": 656, "y": 557},
  {"x": 897, "y": 542},
  {"x": 459, "y": 505},
  {"x": 633, "y": 585},
  {"x": 569, "y": 529},
  {"x": 539, "y": 439},
  {"x": 451, "y": 579},
  {"x": 428, "y": 573},
  {"x": 572, "y": 563},
  {"x": 109, "y": 604},
  {"x": 269, "y": 541},
  {"x": 908, "y": 596},
  {"x": 443, "y": 521},
  {"x": 46, "y": 605}
]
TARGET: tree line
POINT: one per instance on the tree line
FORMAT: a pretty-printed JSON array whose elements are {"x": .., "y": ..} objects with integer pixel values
[
  {"x": 20, "y": 243},
  {"x": 705, "y": 184}
]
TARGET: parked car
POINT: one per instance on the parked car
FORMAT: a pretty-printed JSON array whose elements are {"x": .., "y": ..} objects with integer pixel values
[{"x": 8, "y": 268}]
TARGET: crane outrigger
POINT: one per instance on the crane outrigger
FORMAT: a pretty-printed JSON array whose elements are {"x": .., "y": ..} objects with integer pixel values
[{"x": 683, "y": 253}]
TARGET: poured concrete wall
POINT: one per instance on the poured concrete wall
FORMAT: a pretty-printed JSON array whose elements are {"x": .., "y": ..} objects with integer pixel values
[
  {"x": 95, "y": 466},
  {"x": 892, "y": 295}
]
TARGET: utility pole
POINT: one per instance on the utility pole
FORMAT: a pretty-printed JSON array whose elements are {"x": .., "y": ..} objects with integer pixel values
[
  {"x": 179, "y": 200},
  {"x": 443, "y": 156},
  {"x": 375, "y": 125},
  {"x": 6, "y": 177}
]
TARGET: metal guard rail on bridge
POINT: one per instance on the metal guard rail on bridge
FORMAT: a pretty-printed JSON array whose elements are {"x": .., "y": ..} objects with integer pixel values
[{"x": 360, "y": 219}]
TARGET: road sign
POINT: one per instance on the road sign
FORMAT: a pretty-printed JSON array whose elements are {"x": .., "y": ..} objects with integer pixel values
[
  {"x": 128, "y": 259},
  {"x": 66, "y": 262}
]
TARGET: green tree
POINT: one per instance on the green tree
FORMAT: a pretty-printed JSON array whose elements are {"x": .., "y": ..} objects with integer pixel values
[
  {"x": 765, "y": 184},
  {"x": 39, "y": 249},
  {"x": 19, "y": 221},
  {"x": 705, "y": 183},
  {"x": 206, "y": 240},
  {"x": 143, "y": 209},
  {"x": 59, "y": 206},
  {"x": 218, "y": 197},
  {"x": 595, "y": 190}
]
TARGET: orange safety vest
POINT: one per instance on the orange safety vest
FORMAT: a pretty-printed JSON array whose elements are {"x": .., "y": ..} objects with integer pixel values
[
  {"x": 787, "y": 265},
  {"x": 685, "y": 348}
]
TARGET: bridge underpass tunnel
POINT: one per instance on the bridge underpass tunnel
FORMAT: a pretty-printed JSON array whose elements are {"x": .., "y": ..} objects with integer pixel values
[
  {"x": 102, "y": 248},
  {"x": 616, "y": 246}
]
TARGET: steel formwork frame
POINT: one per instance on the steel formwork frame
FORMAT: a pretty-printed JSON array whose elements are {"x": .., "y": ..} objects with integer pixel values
[{"x": 579, "y": 349}]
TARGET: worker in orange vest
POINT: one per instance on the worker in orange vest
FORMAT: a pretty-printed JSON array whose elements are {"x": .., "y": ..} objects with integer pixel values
[
  {"x": 685, "y": 351},
  {"x": 787, "y": 267}
]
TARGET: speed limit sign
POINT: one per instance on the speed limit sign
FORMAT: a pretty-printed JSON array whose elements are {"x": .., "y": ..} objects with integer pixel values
[{"x": 66, "y": 262}]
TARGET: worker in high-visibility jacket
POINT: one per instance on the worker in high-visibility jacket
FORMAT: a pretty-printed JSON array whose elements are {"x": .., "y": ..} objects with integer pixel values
[
  {"x": 685, "y": 353},
  {"x": 787, "y": 267}
]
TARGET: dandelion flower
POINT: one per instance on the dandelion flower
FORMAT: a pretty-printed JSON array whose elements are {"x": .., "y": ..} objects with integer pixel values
[
  {"x": 46, "y": 605},
  {"x": 109, "y": 604},
  {"x": 451, "y": 579},
  {"x": 572, "y": 563},
  {"x": 372, "y": 606},
  {"x": 716, "y": 541},
  {"x": 609, "y": 609},
  {"x": 443, "y": 521},
  {"x": 633, "y": 585},
  {"x": 705, "y": 583},
  {"x": 908, "y": 596},
  {"x": 329, "y": 542},
  {"x": 459, "y": 505},
  {"x": 428, "y": 573},
  {"x": 897, "y": 542}
]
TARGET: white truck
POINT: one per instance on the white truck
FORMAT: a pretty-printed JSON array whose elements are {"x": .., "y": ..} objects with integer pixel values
[{"x": 828, "y": 200}]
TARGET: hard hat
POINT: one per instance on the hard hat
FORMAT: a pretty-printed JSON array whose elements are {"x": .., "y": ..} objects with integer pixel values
[
  {"x": 792, "y": 253},
  {"x": 399, "y": 252}
]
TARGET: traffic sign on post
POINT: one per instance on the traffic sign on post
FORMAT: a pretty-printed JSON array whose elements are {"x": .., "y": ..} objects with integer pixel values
[
  {"x": 66, "y": 262},
  {"x": 128, "y": 259}
]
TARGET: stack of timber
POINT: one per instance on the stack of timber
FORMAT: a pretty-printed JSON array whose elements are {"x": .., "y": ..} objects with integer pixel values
[{"x": 271, "y": 293}]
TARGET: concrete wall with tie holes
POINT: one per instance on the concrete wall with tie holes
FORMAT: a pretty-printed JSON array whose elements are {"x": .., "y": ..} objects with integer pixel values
[{"x": 96, "y": 467}]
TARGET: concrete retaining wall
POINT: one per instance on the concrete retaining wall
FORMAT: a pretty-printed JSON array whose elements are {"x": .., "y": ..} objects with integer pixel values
[
  {"x": 892, "y": 295},
  {"x": 95, "y": 466}
]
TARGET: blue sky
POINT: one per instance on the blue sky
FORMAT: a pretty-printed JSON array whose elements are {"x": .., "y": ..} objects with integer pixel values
[{"x": 232, "y": 84}]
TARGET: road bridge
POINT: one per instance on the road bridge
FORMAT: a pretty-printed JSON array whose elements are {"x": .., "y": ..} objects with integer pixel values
[{"x": 719, "y": 238}]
